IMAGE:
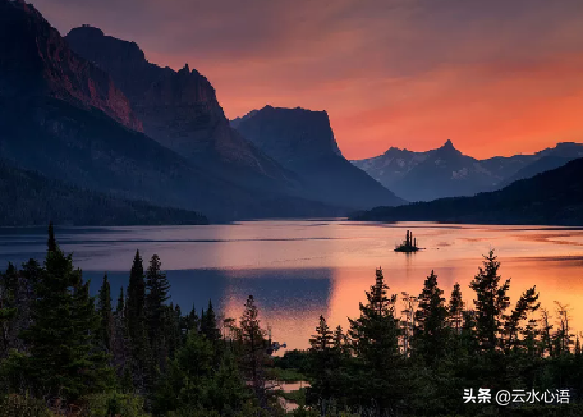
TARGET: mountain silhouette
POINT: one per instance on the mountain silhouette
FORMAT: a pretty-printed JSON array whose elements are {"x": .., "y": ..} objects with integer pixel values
[
  {"x": 180, "y": 110},
  {"x": 447, "y": 172},
  {"x": 64, "y": 117},
  {"x": 553, "y": 197},
  {"x": 40, "y": 200},
  {"x": 303, "y": 141}
]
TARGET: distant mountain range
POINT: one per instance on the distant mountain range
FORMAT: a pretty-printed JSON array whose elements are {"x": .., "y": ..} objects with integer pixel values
[
  {"x": 553, "y": 197},
  {"x": 89, "y": 114},
  {"x": 446, "y": 172},
  {"x": 302, "y": 141},
  {"x": 100, "y": 117},
  {"x": 28, "y": 198}
]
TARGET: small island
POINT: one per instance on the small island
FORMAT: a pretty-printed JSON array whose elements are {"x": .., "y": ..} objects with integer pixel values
[{"x": 409, "y": 245}]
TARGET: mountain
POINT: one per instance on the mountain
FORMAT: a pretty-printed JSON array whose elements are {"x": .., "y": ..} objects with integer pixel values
[
  {"x": 64, "y": 117},
  {"x": 545, "y": 160},
  {"x": 553, "y": 197},
  {"x": 180, "y": 110},
  {"x": 36, "y": 62},
  {"x": 29, "y": 199},
  {"x": 446, "y": 172},
  {"x": 302, "y": 141}
]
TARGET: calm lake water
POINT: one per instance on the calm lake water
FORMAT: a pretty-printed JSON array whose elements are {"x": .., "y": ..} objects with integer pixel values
[{"x": 299, "y": 270}]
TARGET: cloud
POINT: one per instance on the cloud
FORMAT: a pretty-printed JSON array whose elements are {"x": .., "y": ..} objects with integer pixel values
[{"x": 389, "y": 72}]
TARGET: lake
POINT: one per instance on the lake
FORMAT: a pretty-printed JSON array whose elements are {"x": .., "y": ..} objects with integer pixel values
[{"x": 299, "y": 270}]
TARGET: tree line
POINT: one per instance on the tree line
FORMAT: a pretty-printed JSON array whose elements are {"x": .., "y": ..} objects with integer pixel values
[{"x": 137, "y": 354}]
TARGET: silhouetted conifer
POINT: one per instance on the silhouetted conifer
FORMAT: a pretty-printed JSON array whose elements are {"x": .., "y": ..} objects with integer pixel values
[
  {"x": 430, "y": 335},
  {"x": 374, "y": 336},
  {"x": 157, "y": 287},
  {"x": 52, "y": 242},
  {"x": 64, "y": 357},
  {"x": 254, "y": 350},
  {"x": 491, "y": 302},
  {"x": 456, "y": 309},
  {"x": 105, "y": 313}
]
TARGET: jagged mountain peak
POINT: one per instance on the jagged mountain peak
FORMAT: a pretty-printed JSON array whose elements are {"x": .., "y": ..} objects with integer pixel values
[
  {"x": 179, "y": 109},
  {"x": 38, "y": 63}
]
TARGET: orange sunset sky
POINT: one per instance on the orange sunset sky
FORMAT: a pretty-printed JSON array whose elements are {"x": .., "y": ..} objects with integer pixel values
[{"x": 498, "y": 77}]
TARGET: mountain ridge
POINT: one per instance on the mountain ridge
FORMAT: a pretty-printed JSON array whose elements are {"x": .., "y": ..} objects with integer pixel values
[
  {"x": 552, "y": 197},
  {"x": 446, "y": 172},
  {"x": 66, "y": 204},
  {"x": 65, "y": 137},
  {"x": 303, "y": 141},
  {"x": 35, "y": 69},
  {"x": 180, "y": 110}
]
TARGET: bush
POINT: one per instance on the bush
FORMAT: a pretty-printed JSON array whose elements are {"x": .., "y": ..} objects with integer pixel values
[
  {"x": 124, "y": 405},
  {"x": 22, "y": 406}
]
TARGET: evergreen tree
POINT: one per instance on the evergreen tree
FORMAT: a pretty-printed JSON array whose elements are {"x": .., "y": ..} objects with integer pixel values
[
  {"x": 121, "y": 305},
  {"x": 491, "y": 302},
  {"x": 105, "y": 313},
  {"x": 456, "y": 309},
  {"x": 135, "y": 304},
  {"x": 121, "y": 348},
  {"x": 323, "y": 364},
  {"x": 254, "y": 350},
  {"x": 526, "y": 304},
  {"x": 430, "y": 335},
  {"x": 208, "y": 325},
  {"x": 63, "y": 361},
  {"x": 52, "y": 241},
  {"x": 374, "y": 336},
  {"x": 136, "y": 324},
  {"x": 157, "y": 288}
]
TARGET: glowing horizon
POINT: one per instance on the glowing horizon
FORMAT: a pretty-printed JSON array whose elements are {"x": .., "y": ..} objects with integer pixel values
[{"x": 497, "y": 78}]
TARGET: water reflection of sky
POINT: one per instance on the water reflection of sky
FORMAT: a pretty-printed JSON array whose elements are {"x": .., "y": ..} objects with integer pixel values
[{"x": 299, "y": 270}]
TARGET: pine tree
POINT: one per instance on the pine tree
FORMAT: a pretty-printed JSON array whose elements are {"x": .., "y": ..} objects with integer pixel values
[
  {"x": 121, "y": 305},
  {"x": 430, "y": 335},
  {"x": 374, "y": 336},
  {"x": 456, "y": 309},
  {"x": 324, "y": 339},
  {"x": 52, "y": 242},
  {"x": 63, "y": 361},
  {"x": 513, "y": 329},
  {"x": 136, "y": 302},
  {"x": 157, "y": 288},
  {"x": 135, "y": 317},
  {"x": 208, "y": 325},
  {"x": 105, "y": 313},
  {"x": 121, "y": 348},
  {"x": 491, "y": 303},
  {"x": 254, "y": 350},
  {"x": 323, "y": 364}
]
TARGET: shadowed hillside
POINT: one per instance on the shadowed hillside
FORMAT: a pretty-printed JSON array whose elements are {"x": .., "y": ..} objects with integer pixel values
[
  {"x": 552, "y": 197},
  {"x": 30, "y": 199}
]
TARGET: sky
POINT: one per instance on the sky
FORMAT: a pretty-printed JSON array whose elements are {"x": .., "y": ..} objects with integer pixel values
[{"x": 497, "y": 77}]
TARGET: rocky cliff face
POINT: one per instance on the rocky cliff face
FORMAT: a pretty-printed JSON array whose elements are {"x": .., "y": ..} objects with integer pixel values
[
  {"x": 302, "y": 140},
  {"x": 36, "y": 62},
  {"x": 289, "y": 135},
  {"x": 179, "y": 109},
  {"x": 62, "y": 116}
]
